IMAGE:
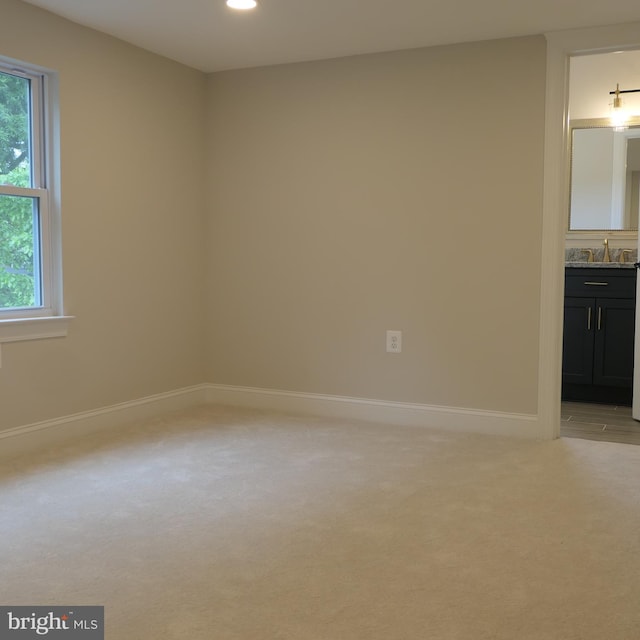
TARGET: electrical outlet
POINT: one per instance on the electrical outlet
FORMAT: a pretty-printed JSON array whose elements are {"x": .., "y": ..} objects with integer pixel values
[{"x": 394, "y": 341}]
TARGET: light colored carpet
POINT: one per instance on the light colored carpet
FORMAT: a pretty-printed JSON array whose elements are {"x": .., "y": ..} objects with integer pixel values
[{"x": 227, "y": 524}]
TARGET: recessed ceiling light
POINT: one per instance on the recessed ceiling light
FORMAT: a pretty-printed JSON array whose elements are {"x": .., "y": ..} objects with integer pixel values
[{"x": 243, "y": 5}]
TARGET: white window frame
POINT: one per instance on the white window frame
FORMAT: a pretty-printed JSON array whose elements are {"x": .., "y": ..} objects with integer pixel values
[{"x": 48, "y": 319}]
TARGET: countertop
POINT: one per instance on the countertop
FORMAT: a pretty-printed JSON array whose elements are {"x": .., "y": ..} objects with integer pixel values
[{"x": 600, "y": 265}]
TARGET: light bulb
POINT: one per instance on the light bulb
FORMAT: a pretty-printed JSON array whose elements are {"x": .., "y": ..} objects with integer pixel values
[
  {"x": 243, "y": 5},
  {"x": 618, "y": 115}
]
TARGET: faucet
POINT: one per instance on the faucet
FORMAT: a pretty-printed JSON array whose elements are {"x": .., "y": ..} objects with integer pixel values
[
  {"x": 623, "y": 252},
  {"x": 589, "y": 253},
  {"x": 607, "y": 257}
]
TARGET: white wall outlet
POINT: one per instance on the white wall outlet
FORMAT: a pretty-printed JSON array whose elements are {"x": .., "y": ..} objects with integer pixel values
[{"x": 394, "y": 341}]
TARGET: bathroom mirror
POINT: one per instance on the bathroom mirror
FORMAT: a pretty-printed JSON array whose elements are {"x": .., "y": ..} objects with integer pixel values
[{"x": 605, "y": 176}]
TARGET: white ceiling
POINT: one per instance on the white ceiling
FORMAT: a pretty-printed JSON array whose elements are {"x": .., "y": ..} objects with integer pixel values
[{"x": 206, "y": 35}]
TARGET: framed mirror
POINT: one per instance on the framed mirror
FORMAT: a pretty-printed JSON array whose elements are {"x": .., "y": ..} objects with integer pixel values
[{"x": 605, "y": 176}]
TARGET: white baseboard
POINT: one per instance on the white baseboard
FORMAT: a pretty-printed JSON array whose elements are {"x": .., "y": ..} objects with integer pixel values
[
  {"x": 397, "y": 413},
  {"x": 40, "y": 435}
]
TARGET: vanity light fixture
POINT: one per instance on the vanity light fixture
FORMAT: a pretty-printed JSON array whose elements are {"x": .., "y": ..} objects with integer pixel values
[
  {"x": 619, "y": 116},
  {"x": 242, "y": 5}
]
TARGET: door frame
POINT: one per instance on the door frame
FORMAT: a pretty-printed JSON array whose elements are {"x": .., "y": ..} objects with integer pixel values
[{"x": 561, "y": 45}]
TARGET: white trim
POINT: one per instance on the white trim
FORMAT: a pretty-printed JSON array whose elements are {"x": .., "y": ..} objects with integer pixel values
[
  {"x": 51, "y": 162},
  {"x": 393, "y": 413},
  {"x": 615, "y": 237},
  {"x": 22, "y": 192},
  {"x": 39, "y": 435},
  {"x": 618, "y": 180},
  {"x": 52, "y": 433},
  {"x": 560, "y": 46},
  {"x": 20, "y": 329},
  {"x": 45, "y": 128},
  {"x": 555, "y": 203}
]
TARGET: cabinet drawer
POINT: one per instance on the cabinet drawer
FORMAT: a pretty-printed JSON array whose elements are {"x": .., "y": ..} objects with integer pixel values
[{"x": 600, "y": 285}]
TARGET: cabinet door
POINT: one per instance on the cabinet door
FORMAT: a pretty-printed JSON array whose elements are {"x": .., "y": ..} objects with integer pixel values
[
  {"x": 613, "y": 347},
  {"x": 577, "y": 346}
]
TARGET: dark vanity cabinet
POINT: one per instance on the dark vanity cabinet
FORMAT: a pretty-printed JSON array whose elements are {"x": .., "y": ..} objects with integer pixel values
[{"x": 599, "y": 327}]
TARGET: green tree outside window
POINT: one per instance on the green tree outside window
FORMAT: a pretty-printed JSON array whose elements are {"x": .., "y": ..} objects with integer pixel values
[{"x": 18, "y": 224}]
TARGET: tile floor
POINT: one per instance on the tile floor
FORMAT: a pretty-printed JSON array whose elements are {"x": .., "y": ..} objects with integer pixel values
[{"x": 599, "y": 422}]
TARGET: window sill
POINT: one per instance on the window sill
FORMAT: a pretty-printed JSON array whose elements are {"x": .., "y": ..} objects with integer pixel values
[{"x": 20, "y": 329}]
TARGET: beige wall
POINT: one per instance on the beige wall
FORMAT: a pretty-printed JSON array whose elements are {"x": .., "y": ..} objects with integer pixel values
[
  {"x": 389, "y": 191},
  {"x": 344, "y": 198},
  {"x": 133, "y": 218}
]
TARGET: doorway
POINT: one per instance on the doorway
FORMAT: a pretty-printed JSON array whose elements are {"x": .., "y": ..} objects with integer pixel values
[
  {"x": 561, "y": 47},
  {"x": 589, "y": 410}
]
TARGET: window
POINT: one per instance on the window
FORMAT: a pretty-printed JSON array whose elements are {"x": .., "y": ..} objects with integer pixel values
[{"x": 30, "y": 286}]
